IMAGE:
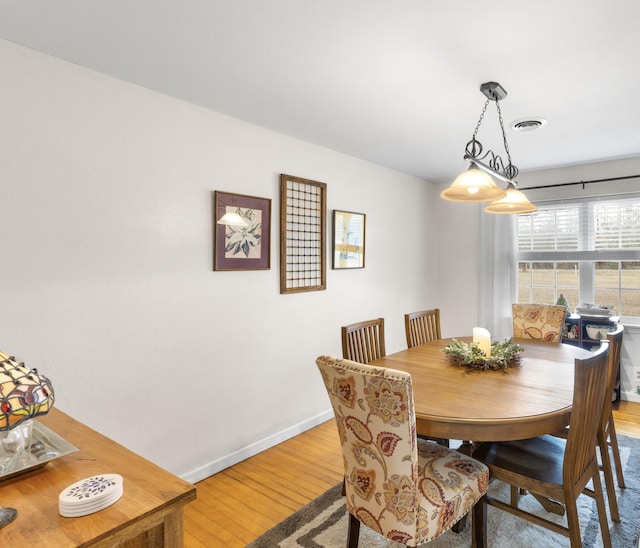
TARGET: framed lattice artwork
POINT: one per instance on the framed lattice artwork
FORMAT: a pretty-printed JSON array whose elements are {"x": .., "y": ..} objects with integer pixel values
[
  {"x": 303, "y": 207},
  {"x": 241, "y": 232}
]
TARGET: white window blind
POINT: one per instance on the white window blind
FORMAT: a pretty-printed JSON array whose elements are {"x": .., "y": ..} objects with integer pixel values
[
  {"x": 591, "y": 229},
  {"x": 549, "y": 229},
  {"x": 617, "y": 225}
]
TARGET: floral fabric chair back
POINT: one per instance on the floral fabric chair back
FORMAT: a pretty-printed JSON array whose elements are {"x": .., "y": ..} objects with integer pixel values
[
  {"x": 541, "y": 322},
  {"x": 408, "y": 490}
]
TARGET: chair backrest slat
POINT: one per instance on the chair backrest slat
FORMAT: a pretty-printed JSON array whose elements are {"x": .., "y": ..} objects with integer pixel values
[
  {"x": 422, "y": 327},
  {"x": 363, "y": 342}
]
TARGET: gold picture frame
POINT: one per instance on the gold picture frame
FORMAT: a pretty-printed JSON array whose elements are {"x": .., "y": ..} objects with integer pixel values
[{"x": 349, "y": 230}]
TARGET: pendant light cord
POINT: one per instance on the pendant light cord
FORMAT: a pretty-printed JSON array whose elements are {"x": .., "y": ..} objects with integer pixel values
[
  {"x": 474, "y": 147},
  {"x": 510, "y": 170}
]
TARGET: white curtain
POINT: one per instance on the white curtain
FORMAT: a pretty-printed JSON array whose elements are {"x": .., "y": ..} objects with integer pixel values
[{"x": 498, "y": 273}]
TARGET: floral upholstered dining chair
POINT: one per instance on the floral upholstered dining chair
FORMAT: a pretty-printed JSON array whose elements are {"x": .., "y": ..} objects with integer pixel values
[
  {"x": 408, "y": 489},
  {"x": 538, "y": 321}
]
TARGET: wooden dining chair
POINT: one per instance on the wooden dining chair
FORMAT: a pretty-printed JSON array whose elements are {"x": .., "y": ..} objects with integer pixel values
[
  {"x": 363, "y": 342},
  {"x": 607, "y": 438},
  {"x": 553, "y": 467},
  {"x": 538, "y": 321},
  {"x": 404, "y": 488},
  {"x": 608, "y": 427},
  {"x": 422, "y": 327}
]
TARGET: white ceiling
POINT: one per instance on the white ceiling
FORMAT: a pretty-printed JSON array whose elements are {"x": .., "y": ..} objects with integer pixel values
[{"x": 395, "y": 82}]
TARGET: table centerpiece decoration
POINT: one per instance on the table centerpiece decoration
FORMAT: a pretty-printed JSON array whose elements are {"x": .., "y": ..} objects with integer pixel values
[{"x": 503, "y": 354}]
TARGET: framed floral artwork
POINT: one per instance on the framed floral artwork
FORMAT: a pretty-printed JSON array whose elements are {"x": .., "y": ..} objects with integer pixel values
[
  {"x": 348, "y": 239},
  {"x": 242, "y": 232}
]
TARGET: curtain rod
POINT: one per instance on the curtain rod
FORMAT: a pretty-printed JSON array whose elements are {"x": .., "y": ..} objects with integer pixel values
[{"x": 581, "y": 182}]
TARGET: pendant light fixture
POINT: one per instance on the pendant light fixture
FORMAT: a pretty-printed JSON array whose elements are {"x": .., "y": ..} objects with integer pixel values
[
  {"x": 477, "y": 184},
  {"x": 514, "y": 202}
]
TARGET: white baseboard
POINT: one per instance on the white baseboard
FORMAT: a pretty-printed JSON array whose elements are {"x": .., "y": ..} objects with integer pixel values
[
  {"x": 630, "y": 396},
  {"x": 253, "y": 449}
]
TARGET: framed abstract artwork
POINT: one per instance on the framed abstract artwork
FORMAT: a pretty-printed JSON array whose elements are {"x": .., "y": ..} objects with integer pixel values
[
  {"x": 303, "y": 208},
  {"x": 348, "y": 239},
  {"x": 242, "y": 232}
]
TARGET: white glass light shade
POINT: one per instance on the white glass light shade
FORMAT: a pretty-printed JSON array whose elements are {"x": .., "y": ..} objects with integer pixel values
[
  {"x": 232, "y": 219},
  {"x": 474, "y": 185},
  {"x": 514, "y": 202}
]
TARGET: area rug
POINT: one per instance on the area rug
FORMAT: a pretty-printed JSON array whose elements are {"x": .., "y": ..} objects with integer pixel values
[{"x": 323, "y": 522}]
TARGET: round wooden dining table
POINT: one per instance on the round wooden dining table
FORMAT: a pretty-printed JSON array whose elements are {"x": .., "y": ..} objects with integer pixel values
[{"x": 524, "y": 401}]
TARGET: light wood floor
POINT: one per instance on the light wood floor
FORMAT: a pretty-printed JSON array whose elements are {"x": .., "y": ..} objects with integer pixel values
[{"x": 240, "y": 503}]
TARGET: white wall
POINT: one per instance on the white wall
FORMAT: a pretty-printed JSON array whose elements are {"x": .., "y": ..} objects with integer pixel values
[
  {"x": 457, "y": 260},
  {"x": 107, "y": 283}
]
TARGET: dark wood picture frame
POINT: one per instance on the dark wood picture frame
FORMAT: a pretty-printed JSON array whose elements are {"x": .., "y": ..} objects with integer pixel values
[
  {"x": 349, "y": 230},
  {"x": 303, "y": 213},
  {"x": 241, "y": 246}
]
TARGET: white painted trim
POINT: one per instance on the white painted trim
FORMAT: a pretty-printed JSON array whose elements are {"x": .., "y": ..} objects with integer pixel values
[
  {"x": 629, "y": 396},
  {"x": 217, "y": 465},
  {"x": 629, "y": 362}
]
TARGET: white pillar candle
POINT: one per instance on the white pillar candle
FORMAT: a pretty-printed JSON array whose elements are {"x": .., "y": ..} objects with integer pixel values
[{"x": 482, "y": 338}]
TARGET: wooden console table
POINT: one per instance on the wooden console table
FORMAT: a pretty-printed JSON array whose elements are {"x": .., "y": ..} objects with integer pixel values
[{"x": 149, "y": 514}]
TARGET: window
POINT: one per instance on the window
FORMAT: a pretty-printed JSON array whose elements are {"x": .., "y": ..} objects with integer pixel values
[
  {"x": 618, "y": 281},
  {"x": 588, "y": 250},
  {"x": 542, "y": 282}
]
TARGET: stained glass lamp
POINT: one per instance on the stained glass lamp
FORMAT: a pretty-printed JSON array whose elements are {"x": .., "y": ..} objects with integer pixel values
[{"x": 24, "y": 394}]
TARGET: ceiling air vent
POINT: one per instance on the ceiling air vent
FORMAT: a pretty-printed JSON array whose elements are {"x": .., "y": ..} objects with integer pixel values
[{"x": 528, "y": 124}]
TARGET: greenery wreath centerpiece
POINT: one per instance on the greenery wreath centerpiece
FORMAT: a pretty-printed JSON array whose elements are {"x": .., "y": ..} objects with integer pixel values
[{"x": 504, "y": 354}]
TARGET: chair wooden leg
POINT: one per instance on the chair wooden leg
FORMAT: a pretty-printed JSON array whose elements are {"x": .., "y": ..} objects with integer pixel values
[
  {"x": 466, "y": 448},
  {"x": 608, "y": 477},
  {"x": 573, "y": 523},
  {"x": 354, "y": 532},
  {"x": 613, "y": 440},
  {"x": 602, "y": 512},
  {"x": 479, "y": 524},
  {"x": 514, "y": 492},
  {"x": 459, "y": 526}
]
